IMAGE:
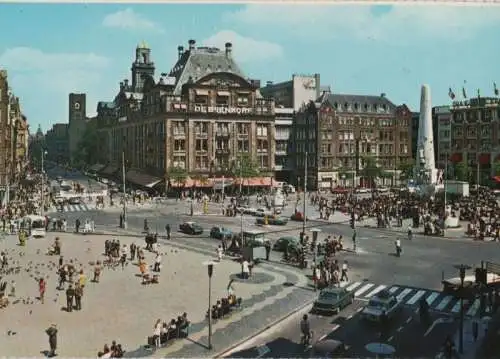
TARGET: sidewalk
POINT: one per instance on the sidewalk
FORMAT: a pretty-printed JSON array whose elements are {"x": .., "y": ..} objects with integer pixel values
[{"x": 471, "y": 346}]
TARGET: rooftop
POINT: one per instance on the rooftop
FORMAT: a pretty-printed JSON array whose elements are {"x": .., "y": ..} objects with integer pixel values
[{"x": 359, "y": 103}]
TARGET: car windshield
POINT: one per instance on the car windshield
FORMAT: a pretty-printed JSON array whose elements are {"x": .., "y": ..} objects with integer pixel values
[
  {"x": 377, "y": 304},
  {"x": 328, "y": 295}
]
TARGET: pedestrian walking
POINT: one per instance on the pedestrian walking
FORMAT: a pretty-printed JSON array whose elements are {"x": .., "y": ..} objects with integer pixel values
[
  {"x": 41, "y": 289},
  {"x": 344, "y": 276},
  {"x": 52, "y": 333}
]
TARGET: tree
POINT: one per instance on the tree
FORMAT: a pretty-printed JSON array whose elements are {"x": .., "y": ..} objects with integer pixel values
[
  {"x": 406, "y": 169},
  {"x": 370, "y": 170},
  {"x": 496, "y": 169},
  {"x": 462, "y": 171},
  {"x": 90, "y": 147},
  {"x": 244, "y": 167},
  {"x": 177, "y": 175}
]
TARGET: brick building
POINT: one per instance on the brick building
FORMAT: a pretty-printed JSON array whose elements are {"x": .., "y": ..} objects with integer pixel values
[
  {"x": 13, "y": 137},
  {"x": 330, "y": 128},
  {"x": 57, "y": 142},
  {"x": 200, "y": 116},
  {"x": 475, "y": 136},
  {"x": 77, "y": 121}
]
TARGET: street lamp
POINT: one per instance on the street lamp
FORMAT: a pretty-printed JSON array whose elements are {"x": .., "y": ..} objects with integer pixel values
[
  {"x": 315, "y": 232},
  {"x": 462, "y": 269},
  {"x": 42, "y": 209},
  {"x": 124, "y": 192},
  {"x": 210, "y": 266}
]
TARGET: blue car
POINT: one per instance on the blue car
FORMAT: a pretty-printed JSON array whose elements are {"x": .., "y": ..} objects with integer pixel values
[{"x": 219, "y": 232}]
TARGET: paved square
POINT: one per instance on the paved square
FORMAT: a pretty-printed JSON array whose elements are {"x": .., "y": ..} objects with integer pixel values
[{"x": 118, "y": 308}]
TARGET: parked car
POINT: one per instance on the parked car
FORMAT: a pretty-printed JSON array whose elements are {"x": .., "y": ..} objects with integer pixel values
[
  {"x": 298, "y": 216},
  {"x": 219, "y": 232},
  {"x": 333, "y": 300},
  {"x": 75, "y": 200},
  {"x": 274, "y": 221},
  {"x": 381, "y": 302},
  {"x": 191, "y": 228},
  {"x": 286, "y": 242},
  {"x": 329, "y": 348}
]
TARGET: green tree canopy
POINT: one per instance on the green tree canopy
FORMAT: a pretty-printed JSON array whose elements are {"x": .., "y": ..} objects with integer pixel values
[
  {"x": 244, "y": 167},
  {"x": 406, "y": 169},
  {"x": 371, "y": 170},
  {"x": 345, "y": 173},
  {"x": 177, "y": 174},
  {"x": 90, "y": 148},
  {"x": 462, "y": 171},
  {"x": 496, "y": 169}
]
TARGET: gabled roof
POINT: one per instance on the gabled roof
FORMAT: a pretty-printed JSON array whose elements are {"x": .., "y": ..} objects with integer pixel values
[
  {"x": 135, "y": 95},
  {"x": 104, "y": 104},
  {"x": 359, "y": 103},
  {"x": 199, "y": 62}
]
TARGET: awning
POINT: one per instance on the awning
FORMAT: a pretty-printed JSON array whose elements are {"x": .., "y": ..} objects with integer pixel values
[
  {"x": 142, "y": 179},
  {"x": 193, "y": 182},
  {"x": 218, "y": 183},
  {"x": 223, "y": 93},
  {"x": 496, "y": 179},
  {"x": 202, "y": 92},
  {"x": 109, "y": 170},
  {"x": 484, "y": 158},
  {"x": 243, "y": 92},
  {"x": 456, "y": 158},
  {"x": 255, "y": 181},
  {"x": 96, "y": 167}
]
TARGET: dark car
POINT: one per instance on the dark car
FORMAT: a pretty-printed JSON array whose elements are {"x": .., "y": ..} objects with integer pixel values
[
  {"x": 75, "y": 200},
  {"x": 333, "y": 300},
  {"x": 273, "y": 221},
  {"x": 286, "y": 242},
  {"x": 190, "y": 228},
  {"x": 219, "y": 232}
]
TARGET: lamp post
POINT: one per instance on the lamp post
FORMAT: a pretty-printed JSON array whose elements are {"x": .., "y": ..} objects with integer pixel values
[
  {"x": 42, "y": 207},
  {"x": 241, "y": 194},
  {"x": 124, "y": 192},
  {"x": 315, "y": 232},
  {"x": 210, "y": 266},
  {"x": 305, "y": 197},
  {"x": 462, "y": 269}
]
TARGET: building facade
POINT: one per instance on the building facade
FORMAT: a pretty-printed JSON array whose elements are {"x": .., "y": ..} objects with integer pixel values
[
  {"x": 202, "y": 116},
  {"x": 441, "y": 120},
  {"x": 14, "y": 133},
  {"x": 475, "y": 136},
  {"x": 57, "y": 142},
  {"x": 77, "y": 120},
  {"x": 329, "y": 130},
  {"x": 283, "y": 164}
]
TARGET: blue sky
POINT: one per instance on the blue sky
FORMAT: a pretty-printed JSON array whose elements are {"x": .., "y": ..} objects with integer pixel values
[{"x": 50, "y": 50}]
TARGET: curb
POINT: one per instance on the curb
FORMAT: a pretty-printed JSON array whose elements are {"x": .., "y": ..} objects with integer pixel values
[{"x": 226, "y": 351}]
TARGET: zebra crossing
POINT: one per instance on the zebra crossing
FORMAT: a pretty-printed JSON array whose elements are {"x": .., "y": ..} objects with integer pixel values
[
  {"x": 410, "y": 296},
  {"x": 82, "y": 207}
]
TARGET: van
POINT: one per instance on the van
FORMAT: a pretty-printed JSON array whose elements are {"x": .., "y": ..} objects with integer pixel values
[{"x": 37, "y": 224}]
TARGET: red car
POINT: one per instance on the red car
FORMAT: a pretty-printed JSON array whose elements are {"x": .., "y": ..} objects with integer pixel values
[{"x": 297, "y": 216}]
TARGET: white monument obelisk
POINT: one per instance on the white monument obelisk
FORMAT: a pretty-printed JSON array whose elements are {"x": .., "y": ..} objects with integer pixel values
[{"x": 425, "y": 163}]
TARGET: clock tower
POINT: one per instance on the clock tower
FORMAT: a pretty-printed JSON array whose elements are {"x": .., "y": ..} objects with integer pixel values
[{"x": 141, "y": 67}]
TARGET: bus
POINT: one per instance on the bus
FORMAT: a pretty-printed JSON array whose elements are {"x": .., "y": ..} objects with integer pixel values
[{"x": 37, "y": 224}]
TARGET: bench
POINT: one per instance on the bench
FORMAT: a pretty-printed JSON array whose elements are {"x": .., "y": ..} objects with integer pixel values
[{"x": 180, "y": 332}]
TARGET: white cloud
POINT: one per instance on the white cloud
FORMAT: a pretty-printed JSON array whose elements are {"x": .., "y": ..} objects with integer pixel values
[
  {"x": 46, "y": 79},
  {"x": 128, "y": 19},
  {"x": 399, "y": 23},
  {"x": 245, "y": 49}
]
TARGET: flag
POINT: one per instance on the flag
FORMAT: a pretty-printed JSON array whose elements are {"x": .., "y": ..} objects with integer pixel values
[
  {"x": 451, "y": 93},
  {"x": 495, "y": 89},
  {"x": 464, "y": 94}
]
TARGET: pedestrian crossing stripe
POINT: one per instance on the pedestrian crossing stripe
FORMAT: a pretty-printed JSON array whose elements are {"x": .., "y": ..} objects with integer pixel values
[
  {"x": 82, "y": 207},
  {"x": 411, "y": 296}
]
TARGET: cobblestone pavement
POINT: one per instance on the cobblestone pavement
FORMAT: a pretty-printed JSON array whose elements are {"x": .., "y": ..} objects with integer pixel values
[{"x": 119, "y": 302}]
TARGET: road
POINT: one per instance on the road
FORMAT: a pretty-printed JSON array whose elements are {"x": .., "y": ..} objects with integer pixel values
[{"x": 406, "y": 334}]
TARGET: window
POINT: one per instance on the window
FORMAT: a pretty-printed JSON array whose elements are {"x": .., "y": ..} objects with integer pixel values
[
  {"x": 180, "y": 161},
  {"x": 262, "y": 130},
  {"x": 201, "y": 145},
  {"x": 471, "y": 132},
  {"x": 403, "y": 148},
  {"x": 262, "y": 145},
  {"x": 222, "y": 144},
  {"x": 281, "y": 146},
  {"x": 178, "y": 128},
  {"x": 243, "y": 128},
  {"x": 201, "y": 99},
  {"x": 179, "y": 145},
  {"x": 243, "y": 146},
  {"x": 201, "y": 162},
  {"x": 222, "y": 100},
  {"x": 201, "y": 128},
  {"x": 223, "y": 128},
  {"x": 242, "y": 100},
  {"x": 485, "y": 131},
  {"x": 264, "y": 161}
]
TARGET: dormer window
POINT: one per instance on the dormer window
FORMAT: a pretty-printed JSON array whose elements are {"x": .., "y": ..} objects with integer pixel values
[
  {"x": 209, "y": 69},
  {"x": 346, "y": 105},
  {"x": 384, "y": 107},
  {"x": 198, "y": 68},
  {"x": 336, "y": 105},
  {"x": 366, "y": 107},
  {"x": 356, "y": 106}
]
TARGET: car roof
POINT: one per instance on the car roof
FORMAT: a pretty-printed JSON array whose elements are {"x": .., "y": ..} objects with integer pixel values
[
  {"x": 333, "y": 290},
  {"x": 189, "y": 222},
  {"x": 383, "y": 296}
]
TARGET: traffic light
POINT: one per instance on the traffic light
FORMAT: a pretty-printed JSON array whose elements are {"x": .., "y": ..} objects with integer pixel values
[{"x": 481, "y": 276}]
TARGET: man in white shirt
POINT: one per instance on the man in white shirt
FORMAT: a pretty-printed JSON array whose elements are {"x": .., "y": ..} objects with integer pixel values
[
  {"x": 344, "y": 272},
  {"x": 245, "y": 270},
  {"x": 157, "y": 266}
]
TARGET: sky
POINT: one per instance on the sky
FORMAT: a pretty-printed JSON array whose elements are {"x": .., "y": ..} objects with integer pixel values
[{"x": 50, "y": 50}]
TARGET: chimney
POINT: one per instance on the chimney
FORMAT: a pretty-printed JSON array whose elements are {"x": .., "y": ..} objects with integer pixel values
[
  {"x": 125, "y": 82},
  {"x": 191, "y": 44},
  {"x": 229, "y": 49},
  {"x": 382, "y": 94},
  {"x": 180, "y": 51},
  {"x": 121, "y": 86},
  {"x": 269, "y": 83}
]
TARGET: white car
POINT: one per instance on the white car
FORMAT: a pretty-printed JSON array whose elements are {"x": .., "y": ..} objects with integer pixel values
[
  {"x": 382, "y": 302},
  {"x": 362, "y": 190}
]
